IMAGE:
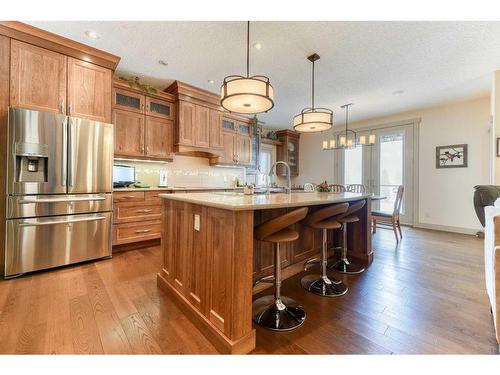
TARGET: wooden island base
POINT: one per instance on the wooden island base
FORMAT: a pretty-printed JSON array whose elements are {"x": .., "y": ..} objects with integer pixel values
[{"x": 210, "y": 261}]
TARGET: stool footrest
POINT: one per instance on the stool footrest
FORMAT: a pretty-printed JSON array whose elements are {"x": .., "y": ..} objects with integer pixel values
[
  {"x": 266, "y": 279},
  {"x": 310, "y": 262}
]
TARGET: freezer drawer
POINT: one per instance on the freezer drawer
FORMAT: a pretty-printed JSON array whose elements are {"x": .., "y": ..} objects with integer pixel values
[
  {"x": 51, "y": 205},
  {"x": 40, "y": 243}
]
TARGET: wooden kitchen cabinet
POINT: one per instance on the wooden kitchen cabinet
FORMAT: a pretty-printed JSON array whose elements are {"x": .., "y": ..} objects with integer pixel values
[
  {"x": 138, "y": 134},
  {"x": 89, "y": 91},
  {"x": 229, "y": 154},
  {"x": 136, "y": 216},
  {"x": 237, "y": 143},
  {"x": 44, "y": 80},
  {"x": 243, "y": 149},
  {"x": 158, "y": 138},
  {"x": 159, "y": 108},
  {"x": 288, "y": 151},
  {"x": 128, "y": 100},
  {"x": 37, "y": 78},
  {"x": 186, "y": 123},
  {"x": 129, "y": 133},
  {"x": 216, "y": 140},
  {"x": 202, "y": 126}
]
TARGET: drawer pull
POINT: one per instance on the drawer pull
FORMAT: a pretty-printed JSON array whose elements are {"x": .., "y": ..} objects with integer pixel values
[
  {"x": 143, "y": 231},
  {"x": 129, "y": 196},
  {"x": 145, "y": 211}
]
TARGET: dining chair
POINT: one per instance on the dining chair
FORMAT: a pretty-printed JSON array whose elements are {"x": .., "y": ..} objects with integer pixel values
[
  {"x": 356, "y": 188},
  {"x": 335, "y": 188},
  {"x": 390, "y": 218}
]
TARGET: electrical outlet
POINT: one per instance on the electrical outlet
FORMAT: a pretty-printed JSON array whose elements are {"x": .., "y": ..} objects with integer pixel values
[{"x": 197, "y": 222}]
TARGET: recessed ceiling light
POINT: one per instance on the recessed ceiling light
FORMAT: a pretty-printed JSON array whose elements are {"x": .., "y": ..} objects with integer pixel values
[
  {"x": 162, "y": 62},
  {"x": 257, "y": 45},
  {"x": 211, "y": 81},
  {"x": 92, "y": 34},
  {"x": 398, "y": 92}
]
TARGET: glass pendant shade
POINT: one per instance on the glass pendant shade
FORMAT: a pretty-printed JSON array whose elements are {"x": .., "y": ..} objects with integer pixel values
[
  {"x": 325, "y": 145},
  {"x": 362, "y": 140},
  {"x": 309, "y": 121},
  {"x": 371, "y": 139},
  {"x": 247, "y": 95}
]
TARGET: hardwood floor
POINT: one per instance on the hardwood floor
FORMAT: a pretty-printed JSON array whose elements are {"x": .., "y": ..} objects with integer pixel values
[{"x": 423, "y": 296}]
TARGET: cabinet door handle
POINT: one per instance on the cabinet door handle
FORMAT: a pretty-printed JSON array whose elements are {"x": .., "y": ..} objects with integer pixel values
[
  {"x": 70, "y": 109},
  {"x": 145, "y": 211},
  {"x": 61, "y": 106},
  {"x": 147, "y": 150},
  {"x": 143, "y": 231}
]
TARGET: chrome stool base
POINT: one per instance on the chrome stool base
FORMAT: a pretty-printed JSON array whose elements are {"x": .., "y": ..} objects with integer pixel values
[
  {"x": 344, "y": 266},
  {"x": 323, "y": 286},
  {"x": 278, "y": 315}
]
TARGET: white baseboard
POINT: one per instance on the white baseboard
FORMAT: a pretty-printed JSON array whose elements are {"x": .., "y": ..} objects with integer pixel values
[{"x": 446, "y": 228}]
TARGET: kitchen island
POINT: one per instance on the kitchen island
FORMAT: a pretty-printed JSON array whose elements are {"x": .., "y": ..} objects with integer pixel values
[{"x": 210, "y": 258}]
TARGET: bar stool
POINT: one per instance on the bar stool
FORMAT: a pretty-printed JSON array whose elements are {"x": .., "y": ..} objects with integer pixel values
[
  {"x": 278, "y": 313},
  {"x": 343, "y": 265},
  {"x": 325, "y": 219}
]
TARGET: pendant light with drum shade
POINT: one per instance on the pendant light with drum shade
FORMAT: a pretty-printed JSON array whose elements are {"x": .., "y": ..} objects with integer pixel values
[
  {"x": 312, "y": 119},
  {"x": 245, "y": 94}
]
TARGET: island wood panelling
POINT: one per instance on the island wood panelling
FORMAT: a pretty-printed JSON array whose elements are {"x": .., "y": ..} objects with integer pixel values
[
  {"x": 203, "y": 268},
  {"x": 46, "y": 72},
  {"x": 208, "y": 270}
]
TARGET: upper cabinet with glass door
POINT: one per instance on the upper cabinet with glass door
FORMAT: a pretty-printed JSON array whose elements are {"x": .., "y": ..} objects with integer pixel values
[
  {"x": 288, "y": 151},
  {"x": 134, "y": 101}
]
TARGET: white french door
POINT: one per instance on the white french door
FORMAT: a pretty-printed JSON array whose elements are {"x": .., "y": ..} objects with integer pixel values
[{"x": 383, "y": 167}]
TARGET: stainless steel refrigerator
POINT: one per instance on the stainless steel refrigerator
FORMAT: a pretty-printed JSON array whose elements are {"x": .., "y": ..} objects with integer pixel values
[{"x": 59, "y": 191}]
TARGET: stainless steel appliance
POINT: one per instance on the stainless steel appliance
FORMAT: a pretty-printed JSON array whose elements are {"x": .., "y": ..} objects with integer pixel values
[{"x": 59, "y": 191}]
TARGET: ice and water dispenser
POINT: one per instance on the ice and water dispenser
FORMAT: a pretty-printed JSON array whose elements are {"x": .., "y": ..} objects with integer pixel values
[{"x": 31, "y": 162}]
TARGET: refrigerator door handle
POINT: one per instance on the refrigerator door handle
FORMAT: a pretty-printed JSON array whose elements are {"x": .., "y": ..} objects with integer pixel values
[
  {"x": 62, "y": 199},
  {"x": 70, "y": 154},
  {"x": 51, "y": 221},
  {"x": 64, "y": 162}
]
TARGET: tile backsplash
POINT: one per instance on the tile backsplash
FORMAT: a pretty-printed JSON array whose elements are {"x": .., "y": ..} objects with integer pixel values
[{"x": 186, "y": 171}]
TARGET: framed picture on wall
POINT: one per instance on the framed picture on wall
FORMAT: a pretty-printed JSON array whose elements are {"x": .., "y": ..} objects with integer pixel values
[{"x": 452, "y": 156}]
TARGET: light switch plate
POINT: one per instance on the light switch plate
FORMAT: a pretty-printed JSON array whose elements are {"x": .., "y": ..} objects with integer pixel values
[{"x": 197, "y": 222}]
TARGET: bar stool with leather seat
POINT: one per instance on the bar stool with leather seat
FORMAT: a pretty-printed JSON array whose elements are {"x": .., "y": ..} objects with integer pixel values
[
  {"x": 278, "y": 313},
  {"x": 343, "y": 265},
  {"x": 324, "y": 219}
]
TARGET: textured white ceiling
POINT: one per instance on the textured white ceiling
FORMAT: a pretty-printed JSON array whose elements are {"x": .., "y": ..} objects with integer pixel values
[{"x": 361, "y": 62}]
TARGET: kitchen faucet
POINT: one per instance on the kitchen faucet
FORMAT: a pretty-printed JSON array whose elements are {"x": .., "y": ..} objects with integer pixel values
[{"x": 271, "y": 173}]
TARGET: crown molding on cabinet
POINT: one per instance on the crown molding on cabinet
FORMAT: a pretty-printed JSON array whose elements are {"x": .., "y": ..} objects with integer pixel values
[{"x": 41, "y": 38}]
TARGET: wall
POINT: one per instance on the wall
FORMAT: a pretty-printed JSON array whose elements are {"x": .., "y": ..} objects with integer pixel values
[
  {"x": 445, "y": 195},
  {"x": 186, "y": 171}
]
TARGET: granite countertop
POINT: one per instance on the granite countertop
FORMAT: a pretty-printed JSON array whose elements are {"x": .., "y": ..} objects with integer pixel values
[
  {"x": 177, "y": 188},
  {"x": 235, "y": 201}
]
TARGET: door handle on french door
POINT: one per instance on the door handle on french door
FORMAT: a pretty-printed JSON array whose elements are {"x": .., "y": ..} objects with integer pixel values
[
  {"x": 64, "y": 161},
  {"x": 70, "y": 154}
]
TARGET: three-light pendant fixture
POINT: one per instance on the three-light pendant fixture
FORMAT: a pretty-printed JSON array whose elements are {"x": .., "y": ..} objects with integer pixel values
[{"x": 348, "y": 138}]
